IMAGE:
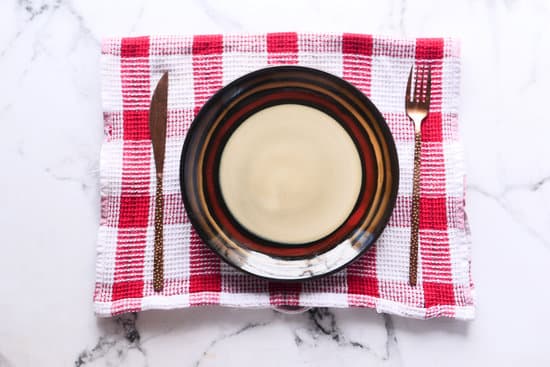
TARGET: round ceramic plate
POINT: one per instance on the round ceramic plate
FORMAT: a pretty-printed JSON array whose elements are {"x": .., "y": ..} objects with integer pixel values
[{"x": 289, "y": 173}]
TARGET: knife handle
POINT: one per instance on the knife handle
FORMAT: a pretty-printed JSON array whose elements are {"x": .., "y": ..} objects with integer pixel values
[{"x": 158, "y": 270}]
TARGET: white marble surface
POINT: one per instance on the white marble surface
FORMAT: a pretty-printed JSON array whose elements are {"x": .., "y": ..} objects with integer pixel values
[{"x": 51, "y": 124}]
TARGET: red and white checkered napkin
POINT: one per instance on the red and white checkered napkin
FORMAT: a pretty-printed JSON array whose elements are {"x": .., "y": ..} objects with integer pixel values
[{"x": 194, "y": 276}]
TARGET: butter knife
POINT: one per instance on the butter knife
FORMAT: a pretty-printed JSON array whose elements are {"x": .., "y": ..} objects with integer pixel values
[{"x": 157, "y": 125}]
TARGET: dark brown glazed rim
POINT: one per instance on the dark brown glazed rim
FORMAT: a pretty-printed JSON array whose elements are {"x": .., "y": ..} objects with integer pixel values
[{"x": 224, "y": 112}]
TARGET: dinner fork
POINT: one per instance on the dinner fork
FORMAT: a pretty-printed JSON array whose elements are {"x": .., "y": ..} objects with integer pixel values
[{"x": 417, "y": 105}]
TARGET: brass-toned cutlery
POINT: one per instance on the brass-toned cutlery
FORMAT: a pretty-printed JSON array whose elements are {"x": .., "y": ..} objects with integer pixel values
[
  {"x": 417, "y": 104},
  {"x": 157, "y": 125}
]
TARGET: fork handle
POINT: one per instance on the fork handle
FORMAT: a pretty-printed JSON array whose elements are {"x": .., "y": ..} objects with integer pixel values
[
  {"x": 158, "y": 265},
  {"x": 415, "y": 213}
]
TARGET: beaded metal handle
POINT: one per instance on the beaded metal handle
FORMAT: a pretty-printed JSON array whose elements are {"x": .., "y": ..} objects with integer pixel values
[
  {"x": 158, "y": 271},
  {"x": 413, "y": 266}
]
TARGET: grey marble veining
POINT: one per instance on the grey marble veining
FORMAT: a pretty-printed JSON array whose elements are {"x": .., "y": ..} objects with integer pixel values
[
  {"x": 50, "y": 113},
  {"x": 114, "y": 348},
  {"x": 123, "y": 344}
]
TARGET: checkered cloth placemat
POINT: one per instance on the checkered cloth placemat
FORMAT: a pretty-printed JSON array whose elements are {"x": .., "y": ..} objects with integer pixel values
[{"x": 194, "y": 276}]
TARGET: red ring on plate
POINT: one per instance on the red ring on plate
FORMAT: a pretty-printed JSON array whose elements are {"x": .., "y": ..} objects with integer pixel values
[{"x": 239, "y": 113}]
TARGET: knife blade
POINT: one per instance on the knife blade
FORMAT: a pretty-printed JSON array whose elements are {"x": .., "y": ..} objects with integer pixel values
[{"x": 158, "y": 113}]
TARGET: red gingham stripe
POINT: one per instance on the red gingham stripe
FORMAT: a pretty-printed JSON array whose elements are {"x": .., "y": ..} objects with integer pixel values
[
  {"x": 357, "y": 59},
  {"x": 134, "y": 206},
  {"x": 357, "y": 69},
  {"x": 243, "y": 283},
  {"x": 401, "y": 216},
  {"x": 430, "y": 51},
  {"x": 438, "y": 127},
  {"x": 436, "y": 266},
  {"x": 281, "y": 294},
  {"x": 335, "y": 284},
  {"x": 282, "y": 48},
  {"x": 362, "y": 277},
  {"x": 205, "y": 279},
  {"x": 434, "y": 248}
]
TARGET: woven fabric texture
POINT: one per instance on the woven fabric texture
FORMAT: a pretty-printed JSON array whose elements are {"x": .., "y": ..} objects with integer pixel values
[{"x": 194, "y": 276}]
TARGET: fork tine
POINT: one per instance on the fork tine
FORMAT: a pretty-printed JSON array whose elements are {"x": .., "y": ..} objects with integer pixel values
[
  {"x": 419, "y": 87},
  {"x": 429, "y": 86},
  {"x": 416, "y": 82},
  {"x": 409, "y": 82},
  {"x": 425, "y": 71},
  {"x": 425, "y": 74}
]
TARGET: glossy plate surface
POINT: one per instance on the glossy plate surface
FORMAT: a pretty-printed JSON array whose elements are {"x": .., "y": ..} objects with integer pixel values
[{"x": 289, "y": 173}]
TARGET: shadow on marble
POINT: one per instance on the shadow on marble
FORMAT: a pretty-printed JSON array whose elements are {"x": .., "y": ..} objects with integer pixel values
[
  {"x": 431, "y": 326},
  {"x": 160, "y": 322}
]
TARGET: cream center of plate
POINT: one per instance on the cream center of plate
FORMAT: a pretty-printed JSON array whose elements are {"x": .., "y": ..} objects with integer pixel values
[{"x": 290, "y": 173}]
